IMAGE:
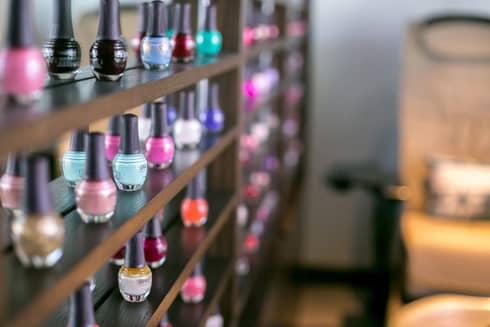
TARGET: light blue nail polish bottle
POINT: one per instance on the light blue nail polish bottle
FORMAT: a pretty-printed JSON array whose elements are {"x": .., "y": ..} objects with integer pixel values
[
  {"x": 73, "y": 161},
  {"x": 129, "y": 165},
  {"x": 156, "y": 47}
]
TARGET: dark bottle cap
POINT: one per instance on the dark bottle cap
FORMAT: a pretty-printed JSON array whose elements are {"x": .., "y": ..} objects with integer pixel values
[
  {"x": 194, "y": 189},
  {"x": 213, "y": 96},
  {"x": 19, "y": 30},
  {"x": 146, "y": 112},
  {"x": 187, "y": 105},
  {"x": 157, "y": 25},
  {"x": 81, "y": 308},
  {"x": 159, "y": 123},
  {"x": 62, "y": 21},
  {"x": 210, "y": 20},
  {"x": 143, "y": 14},
  {"x": 197, "y": 271},
  {"x": 184, "y": 23},
  {"x": 15, "y": 165},
  {"x": 174, "y": 17},
  {"x": 78, "y": 139},
  {"x": 115, "y": 126},
  {"x": 109, "y": 21},
  {"x": 96, "y": 165},
  {"x": 135, "y": 255},
  {"x": 154, "y": 227},
  {"x": 37, "y": 197},
  {"x": 129, "y": 135}
]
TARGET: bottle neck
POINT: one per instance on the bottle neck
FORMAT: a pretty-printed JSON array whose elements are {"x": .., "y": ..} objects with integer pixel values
[
  {"x": 19, "y": 30},
  {"x": 109, "y": 23},
  {"x": 62, "y": 20}
]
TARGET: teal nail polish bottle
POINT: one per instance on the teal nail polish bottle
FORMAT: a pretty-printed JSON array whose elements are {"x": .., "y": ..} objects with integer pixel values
[
  {"x": 209, "y": 40},
  {"x": 171, "y": 20},
  {"x": 129, "y": 165},
  {"x": 73, "y": 162}
]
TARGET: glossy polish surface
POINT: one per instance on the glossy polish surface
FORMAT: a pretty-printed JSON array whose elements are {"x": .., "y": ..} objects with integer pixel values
[
  {"x": 194, "y": 212},
  {"x": 194, "y": 289},
  {"x": 108, "y": 59}
]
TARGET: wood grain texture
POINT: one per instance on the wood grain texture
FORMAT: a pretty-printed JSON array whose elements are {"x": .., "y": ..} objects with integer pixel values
[{"x": 444, "y": 110}]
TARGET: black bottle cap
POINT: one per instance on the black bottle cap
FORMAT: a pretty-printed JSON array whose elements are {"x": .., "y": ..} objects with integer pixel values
[
  {"x": 210, "y": 20},
  {"x": 81, "y": 308},
  {"x": 96, "y": 165},
  {"x": 159, "y": 123},
  {"x": 157, "y": 23},
  {"x": 213, "y": 96},
  {"x": 146, "y": 112},
  {"x": 37, "y": 197},
  {"x": 15, "y": 165},
  {"x": 78, "y": 139},
  {"x": 115, "y": 126},
  {"x": 143, "y": 14},
  {"x": 129, "y": 135},
  {"x": 187, "y": 105},
  {"x": 19, "y": 30},
  {"x": 184, "y": 23},
  {"x": 194, "y": 189},
  {"x": 109, "y": 21},
  {"x": 154, "y": 227},
  {"x": 197, "y": 271},
  {"x": 135, "y": 255},
  {"x": 174, "y": 17},
  {"x": 62, "y": 21}
]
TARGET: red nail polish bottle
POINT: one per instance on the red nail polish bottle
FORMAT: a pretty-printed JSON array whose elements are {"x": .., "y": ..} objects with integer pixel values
[
  {"x": 155, "y": 243},
  {"x": 12, "y": 183},
  {"x": 143, "y": 13},
  {"x": 81, "y": 308},
  {"x": 183, "y": 40},
  {"x": 194, "y": 208}
]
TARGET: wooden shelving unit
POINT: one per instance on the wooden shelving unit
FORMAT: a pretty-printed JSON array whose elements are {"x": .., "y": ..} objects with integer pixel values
[{"x": 39, "y": 297}]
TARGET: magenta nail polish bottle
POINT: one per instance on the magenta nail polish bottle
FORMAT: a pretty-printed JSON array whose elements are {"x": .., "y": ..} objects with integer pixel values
[
  {"x": 81, "y": 308},
  {"x": 22, "y": 67},
  {"x": 12, "y": 183},
  {"x": 159, "y": 148},
  {"x": 155, "y": 243},
  {"x": 96, "y": 194},
  {"x": 194, "y": 287},
  {"x": 113, "y": 138}
]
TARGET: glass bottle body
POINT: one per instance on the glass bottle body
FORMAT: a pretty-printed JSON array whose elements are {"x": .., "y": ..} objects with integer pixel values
[
  {"x": 156, "y": 52},
  {"x": 187, "y": 133},
  {"x": 11, "y": 190},
  {"x": 129, "y": 171},
  {"x": 62, "y": 57},
  {"x": 184, "y": 48},
  {"x": 213, "y": 120},
  {"x": 194, "y": 212},
  {"x": 193, "y": 289},
  {"x": 111, "y": 146},
  {"x": 209, "y": 43},
  {"x": 159, "y": 151},
  {"x": 134, "y": 283},
  {"x": 73, "y": 165},
  {"x": 108, "y": 59},
  {"x": 96, "y": 200},
  {"x": 155, "y": 251}
]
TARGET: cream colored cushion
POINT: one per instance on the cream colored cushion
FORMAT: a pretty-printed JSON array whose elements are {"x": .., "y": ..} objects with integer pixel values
[{"x": 445, "y": 255}]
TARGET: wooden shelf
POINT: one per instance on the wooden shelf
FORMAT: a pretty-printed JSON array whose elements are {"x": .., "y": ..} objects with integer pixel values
[{"x": 88, "y": 247}]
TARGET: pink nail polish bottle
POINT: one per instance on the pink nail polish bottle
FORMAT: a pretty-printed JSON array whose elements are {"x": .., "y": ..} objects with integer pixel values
[
  {"x": 12, "y": 184},
  {"x": 96, "y": 193},
  {"x": 159, "y": 148},
  {"x": 113, "y": 138},
  {"x": 155, "y": 243},
  {"x": 22, "y": 67},
  {"x": 194, "y": 287}
]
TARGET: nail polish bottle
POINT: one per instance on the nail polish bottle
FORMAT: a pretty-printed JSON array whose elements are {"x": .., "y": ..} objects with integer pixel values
[
  {"x": 144, "y": 122},
  {"x": 113, "y": 138},
  {"x": 108, "y": 54},
  {"x": 209, "y": 40},
  {"x": 194, "y": 209},
  {"x": 171, "y": 111},
  {"x": 134, "y": 276},
  {"x": 143, "y": 13},
  {"x": 96, "y": 194},
  {"x": 172, "y": 15},
  {"x": 184, "y": 46},
  {"x": 156, "y": 47},
  {"x": 194, "y": 287},
  {"x": 12, "y": 183},
  {"x": 38, "y": 231},
  {"x": 159, "y": 148},
  {"x": 251, "y": 243},
  {"x": 118, "y": 258},
  {"x": 73, "y": 162},
  {"x": 129, "y": 165},
  {"x": 248, "y": 31},
  {"x": 62, "y": 52},
  {"x": 215, "y": 319},
  {"x": 22, "y": 66},
  {"x": 155, "y": 243},
  {"x": 187, "y": 129},
  {"x": 165, "y": 322},
  {"x": 81, "y": 308},
  {"x": 242, "y": 215},
  {"x": 212, "y": 118}
]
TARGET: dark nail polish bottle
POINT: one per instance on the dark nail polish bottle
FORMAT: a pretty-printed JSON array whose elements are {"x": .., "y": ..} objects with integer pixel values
[
  {"x": 62, "y": 52},
  {"x": 184, "y": 45},
  {"x": 155, "y": 243},
  {"x": 143, "y": 12},
  {"x": 81, "y": 308},
  {"x": 22, "y": 67},
  {"x": 108, "y": 54}
]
